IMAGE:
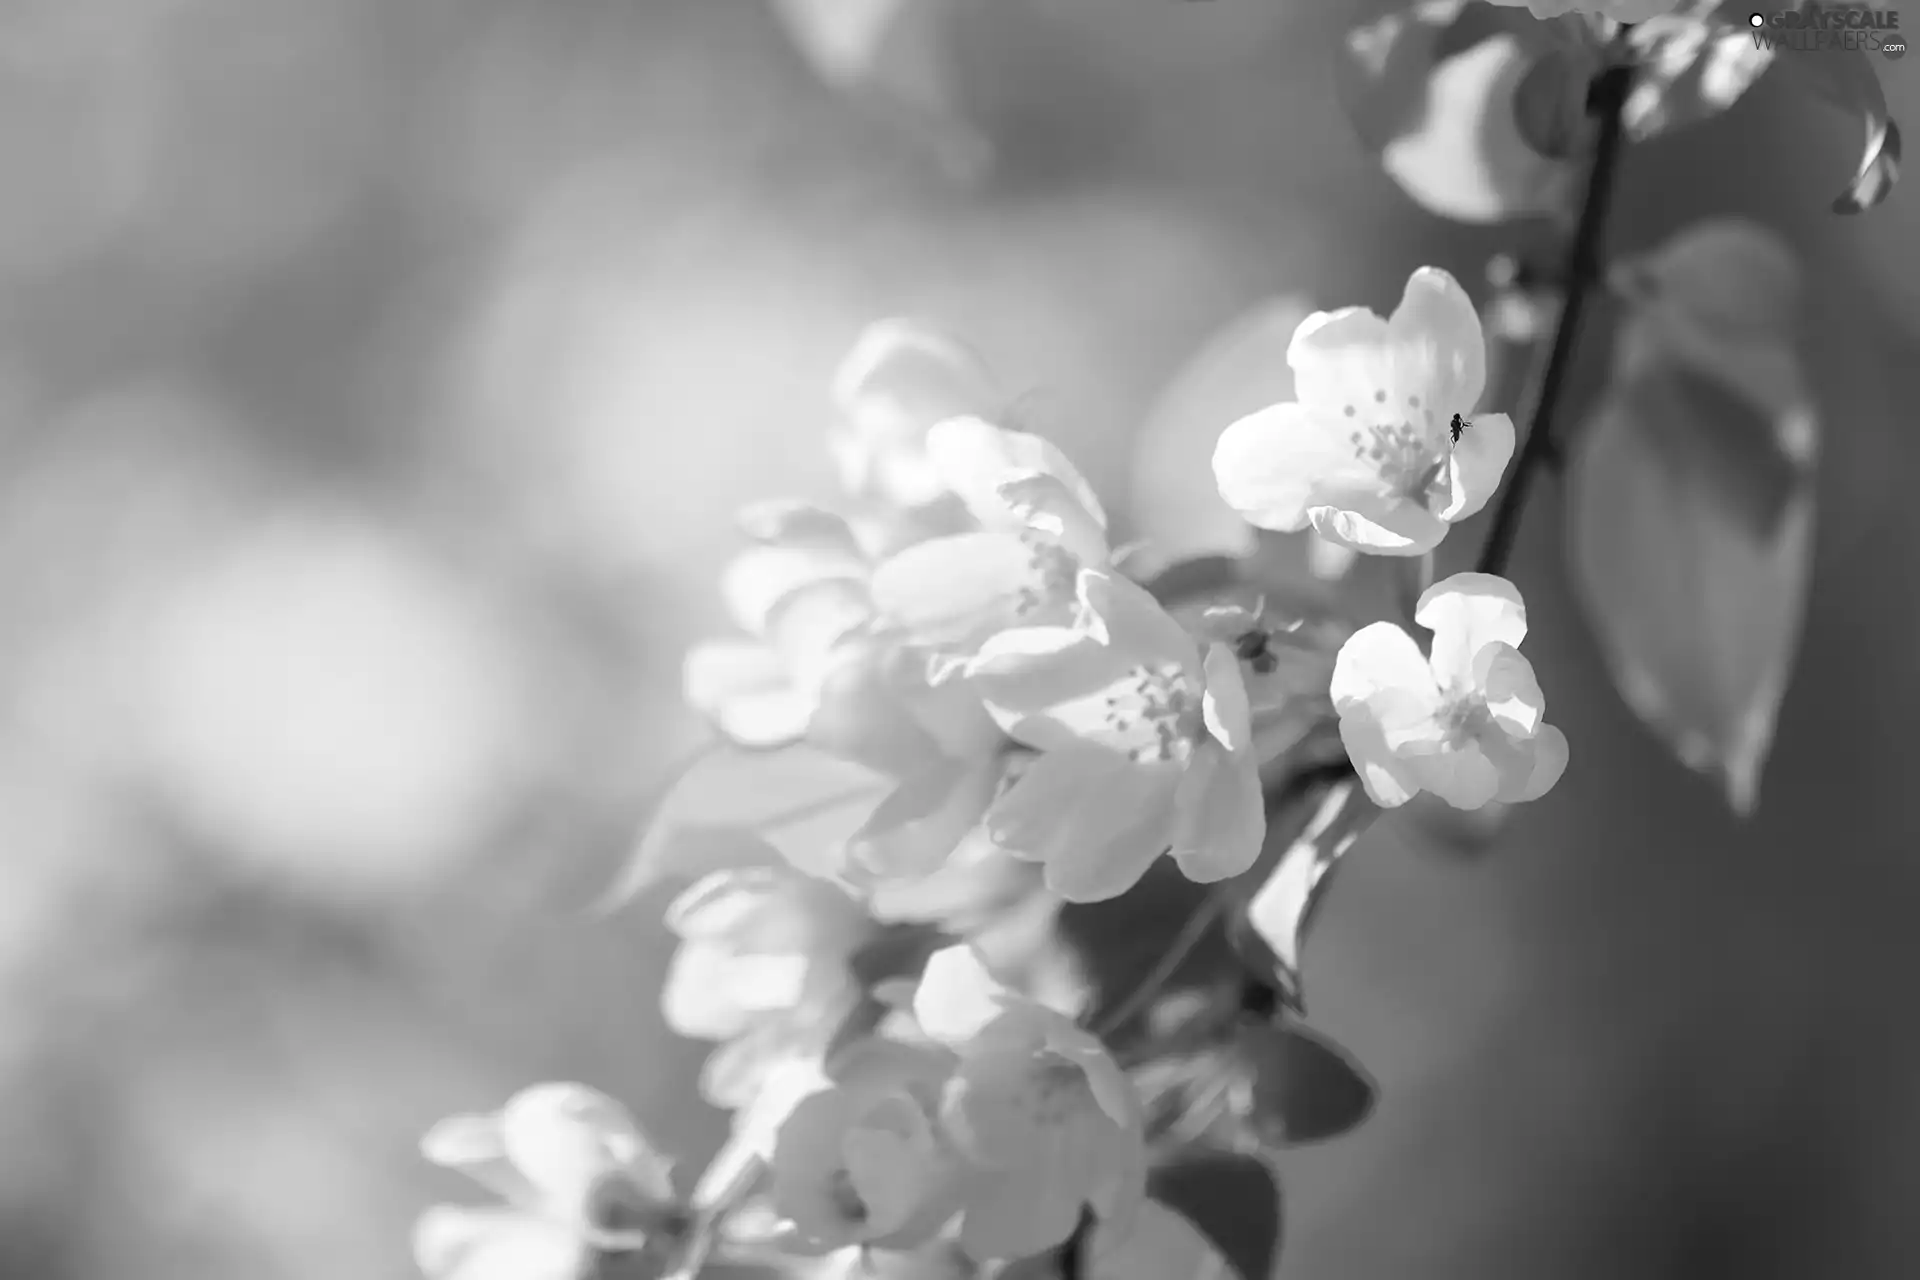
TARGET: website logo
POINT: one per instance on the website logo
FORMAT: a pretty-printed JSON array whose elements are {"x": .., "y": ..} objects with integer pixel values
[{"x": 1817, "y": 28}]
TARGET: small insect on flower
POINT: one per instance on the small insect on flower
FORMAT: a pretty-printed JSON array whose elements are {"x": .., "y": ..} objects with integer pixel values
[{"x": 1458, "y": 425}]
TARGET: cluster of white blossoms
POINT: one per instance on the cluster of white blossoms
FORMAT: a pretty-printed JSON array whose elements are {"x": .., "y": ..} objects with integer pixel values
[{"x": 961, "y": 628}]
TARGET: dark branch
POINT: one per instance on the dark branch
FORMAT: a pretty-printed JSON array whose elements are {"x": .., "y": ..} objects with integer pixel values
[{"x": 1606, "y": 100}]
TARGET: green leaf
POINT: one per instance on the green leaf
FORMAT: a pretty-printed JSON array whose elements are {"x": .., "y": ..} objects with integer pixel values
[
  {"x": 1305, "y": 1088},
  {"x": 1692, "y": 65},
  {"x": 1176, "y": 507},
  {"x": 1846, "y": 79},
  {"x": 1209, "y": 1210},
  {"x": 1435, "y": 89},
  {"x": 1692, "y": 500},
  {"x": 732, "y": 807}
]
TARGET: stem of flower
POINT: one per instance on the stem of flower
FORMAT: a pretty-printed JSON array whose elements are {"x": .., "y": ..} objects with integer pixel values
[{"x": 1607, "y": 100}]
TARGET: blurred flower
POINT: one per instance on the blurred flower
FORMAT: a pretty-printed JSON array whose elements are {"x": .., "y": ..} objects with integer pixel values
[
  {"x": 863, "y": 1161},
  {"x": 1038, "y": 523},
  {"x": 810, "y": 666},
  {"x": 579, "y": 1179},
  {"x": 763, "y": 963},
  {"x": 1466, "y": 723},
  {"x": 1618, "y": 10},
  {"x": 1364, "y": 453},
  {"x": 1044, "y": 1119},
  {"x": 1146, "y": 746},
  {"x": 899, "y": 380}
]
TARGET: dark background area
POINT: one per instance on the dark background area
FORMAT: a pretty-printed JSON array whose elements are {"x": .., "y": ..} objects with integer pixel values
[{"x": 377, "y": 382}]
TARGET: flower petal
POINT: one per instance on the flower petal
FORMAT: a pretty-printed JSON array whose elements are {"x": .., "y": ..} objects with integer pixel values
[
  {"x": 1272, "y": 466},
  {"x": 1377, "y": 524},
  {"x": 976, "y": 458},
  {"x": 1338, "y": 358},
  {"x": 923, "y": 820},
  {"x": 1438, "y": 340},
  {"x": 1478, "y": 461},
  {"x": 1380, "y": 658},
  {"x": 746, "y": 689},
  {"x": 1467, "y": 612},
  {"x": 959, "y": 590},
  {"x": 565, "y": 1136},
  {"x": 1092, "y": 817},
  {"x": 1220, "y": 817},
  {"x": 1512, "y": 693},
  {"x": 1049, "y": 507},
  {"x": 1549, "y": 762},
  {"x": 1229, "y": 716},
  {"x": 1464, "y": 777},
  {"x": 957, "y": 997},
  {"x": 1389, "y": 783},
  {"x": 900, "y": 379},
  {"x": 760, "y": 577}
]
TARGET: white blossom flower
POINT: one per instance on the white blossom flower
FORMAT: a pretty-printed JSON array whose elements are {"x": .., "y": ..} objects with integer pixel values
[
  {"x": 1146, "y": 746},
  {"x": 809, "y": 665},
  {"x": 1466, "y": 723},
  {"x": 900, "y": 378},
  {"x": 1618, "y": 10},
  {"x": 1037, "y": 524},
  {"x": 1044, "y": 1119},
  {"x": 1365, "y": 454},
  {"x": 863, "y": 1162},
  {"x": 578, "y": 1177},
  {"x": 763, "y": 965}
]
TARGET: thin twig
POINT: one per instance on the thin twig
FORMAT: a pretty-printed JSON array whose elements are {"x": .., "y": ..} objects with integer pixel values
[{"x": 1583, "y": 268}]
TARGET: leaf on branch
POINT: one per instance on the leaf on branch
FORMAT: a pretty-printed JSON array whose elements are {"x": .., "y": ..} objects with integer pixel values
[
  {"x": 1846, "y": 79},
  {"x": 1223, "y": 1205},
  {"x": 1177, "y": 510},
  {"x": 1473, "y": 111},
  {"x": 1692, "y": 64},
  {"x": 1282, "y": 910},
  {"x": 1163, "y": 1244},
  {"x": 1692, "y": 499},
  {"x": 1305, "y": 1088},
  {"x": 734, "y": 807}
]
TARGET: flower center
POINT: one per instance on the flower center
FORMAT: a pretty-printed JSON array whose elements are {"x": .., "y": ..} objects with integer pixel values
[
  {"x": 1157, "y": 711},
  {"x": 1059, "y": 1091},
  {"x": 1052, "y": 572},
  {"x": 1466, "y": 719},
  {"x": 1408, "y": 458},
  {"x": 846, "y": 1201}
]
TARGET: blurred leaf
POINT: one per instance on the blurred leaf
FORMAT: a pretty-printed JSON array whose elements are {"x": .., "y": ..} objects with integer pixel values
[
  {"x": 731, "y": 806},
  {"x": 1163, "y": 1245},
  {"x": 1232, "y": 1201},
  {"x": 1692, "y": 499},
  {"x": 1692, "y": 65},
  {"x": 1282, "y": 910},
  {"x": 895, "y": 56},
  {"x": 1550, "y": 102},
  {"x": 1306, "y": 1089},
  {"x": 1845, "y": 78},
  {"x": 1175, "y": 505},
  {"x": 1119, "y": 944},
  {"x": 1433, "y": 89}
]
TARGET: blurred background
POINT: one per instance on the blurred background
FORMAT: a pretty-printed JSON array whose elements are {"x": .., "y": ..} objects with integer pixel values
[{"x": 378, "y": 379}]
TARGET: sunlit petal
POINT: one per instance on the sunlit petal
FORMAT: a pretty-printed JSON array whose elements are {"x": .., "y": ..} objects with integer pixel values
[
  {"x": 957, "y": 997},
  {"x": 1466, "y": 612},
  {"x": 1478, "y": 461},
  {"x": 1272, "y": 465},
  {"x": 1438, "y": 340},
  {"x": 1220, "y": 817}
]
